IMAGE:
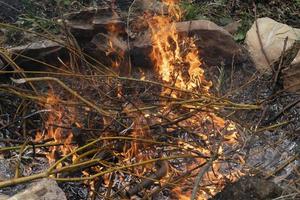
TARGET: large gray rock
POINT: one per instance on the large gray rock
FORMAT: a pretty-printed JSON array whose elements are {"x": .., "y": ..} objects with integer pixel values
[
  {"x": 45, "y": 189},
  {"x": 272, "y": 35}
]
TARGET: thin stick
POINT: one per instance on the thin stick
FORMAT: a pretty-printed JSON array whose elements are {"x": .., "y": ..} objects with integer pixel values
[
  {"x": 128, "y": 39},
  {"x": 286, "y": 108},
  {"x": 23, "y": 148},
  {"x": 3, "y": 149},
  {"x": 282, "y": 166},
  {"x": 23, "y": 118},
  {"x": 11, "y": 7},
  {"x": 200, "y": 175},
  {"x": 260, "y": 41},
  {"x": 280, "y": 64},
  {"x": 74, "y": 93}
]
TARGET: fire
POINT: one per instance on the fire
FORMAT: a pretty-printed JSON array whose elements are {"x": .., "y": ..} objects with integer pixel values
[
  {"x": 180, "y": 195},
  {"x": 138, "y": 131},
  {"x": 57, "y": 134},
  {"x": 177, "y": 62},
  {"x": 169, "y": 52}
]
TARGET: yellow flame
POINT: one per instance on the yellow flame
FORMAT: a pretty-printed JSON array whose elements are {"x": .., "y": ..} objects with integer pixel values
[
  {"x": 56, "y": 133},
  {"x": 170, "y": 57}
]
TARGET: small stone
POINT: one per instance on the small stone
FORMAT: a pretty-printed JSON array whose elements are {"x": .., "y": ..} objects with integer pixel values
[
  {"x": 45, "y": 189},
  {"x": 7, "y": 168}
]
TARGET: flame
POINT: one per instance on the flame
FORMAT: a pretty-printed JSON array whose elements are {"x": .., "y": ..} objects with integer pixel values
[
  {"x": 169, "y": 52},
  {"x": 139, "y": 130},
  {"x": 177, "y": 62},
  {"x": 58, "y": 135},
  {"x": 114, "y": 30},
  {"x": 38, "y": 137},
  {"x": 180, "y": 195}
]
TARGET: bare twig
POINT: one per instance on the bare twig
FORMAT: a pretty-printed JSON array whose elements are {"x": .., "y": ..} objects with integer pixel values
[
  {"x": 278, "y": 71},
  {"x": 23, "y": 118},
  {"x": 260, "y": 40},
  {"x": 10, "y": 6},
  {"x": 23, "y": 148},
  {"x": 282, "y": 166},
  {"x": 87, "y": 102},
  {"x": 286, "y": 108},
  {"x": 200, "y": 175}
]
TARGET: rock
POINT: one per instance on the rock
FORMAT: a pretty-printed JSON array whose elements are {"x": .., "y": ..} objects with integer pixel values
[
  {"x": 296, "y": 60},
  {"x": 233, "y": 27},
  {"x": 215, "y": 44},
  {"x": 3, "y": 197},
  {"x": 110, "y": 50},
  {"x": 291, "y": 75},
  {"x": 249, "y": 188},
  {"x": 37, "y": 46},
  {"x": 10, "y": 10},
  {"x": 85, "y": 23},
  {"x": 7, "y": 169},
  {"x": 43, "y": 50},
  {"x": 272, "y": 35},
  {"x": 90, "y": 21},
  {"x": 1, "y": 64},
  {"x": 45, "y": 189},
  {"x": 199, "y": 25}
]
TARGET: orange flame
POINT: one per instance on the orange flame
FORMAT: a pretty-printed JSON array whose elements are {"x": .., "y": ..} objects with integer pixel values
[
  {"x": 56, "y": 133},
  {"x": 169, "y": 55},
  {"x": 177, "y": 62}
]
